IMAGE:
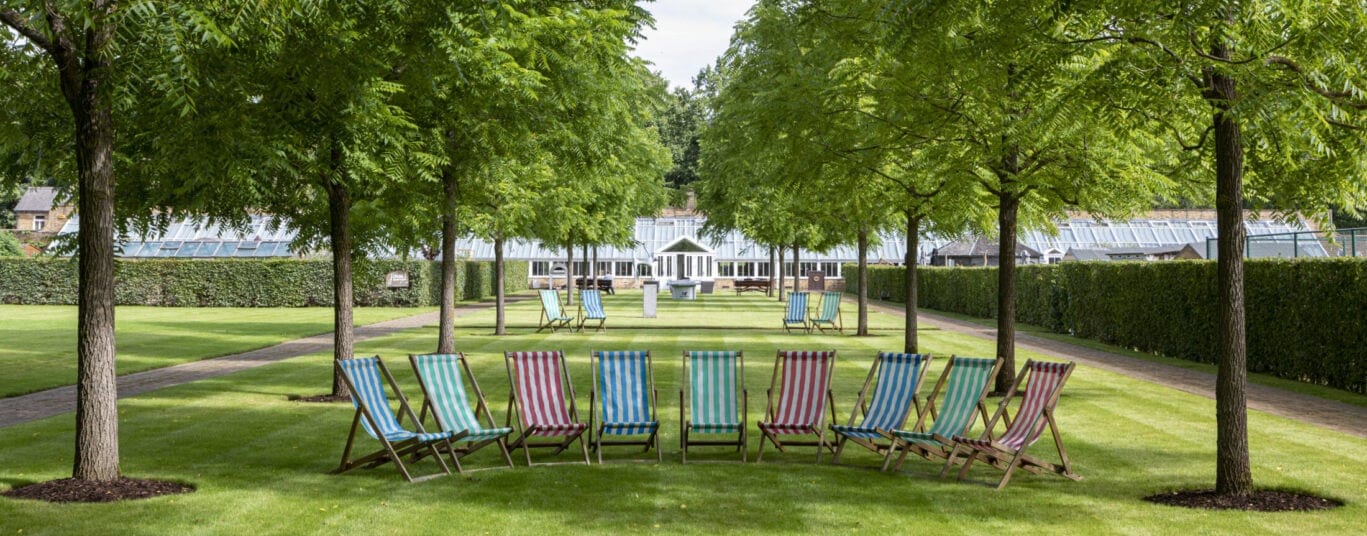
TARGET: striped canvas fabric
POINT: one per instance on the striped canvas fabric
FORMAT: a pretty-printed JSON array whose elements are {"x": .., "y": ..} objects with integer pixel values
[
  {"x": 892, "y": 397},
  {"x": 712, "y": 389},
  {"x": 1044, "y": 380},
  {"x": 797, "y": 308},
  {"x": 541, "y": 394},
  {"x": 624, "y": 388},
  {"x": 368, "y": 391},
  {"x": 830, "y": 308},
  {"x": 550, "y": 302},
  {"x": 440, "y": 375},
  {"x": 963, "y": 389},
  {"x": 592, "y": 300},
  {"x": 802, "y": 397}
]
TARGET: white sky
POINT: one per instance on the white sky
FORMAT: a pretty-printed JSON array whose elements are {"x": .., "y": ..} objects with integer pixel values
[{"x": 689, "y": 35}]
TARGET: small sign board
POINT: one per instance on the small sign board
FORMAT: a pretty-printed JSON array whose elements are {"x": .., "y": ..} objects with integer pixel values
[
  {"x": 816, "y": 280},
  {"x": 396, "y": 279}
]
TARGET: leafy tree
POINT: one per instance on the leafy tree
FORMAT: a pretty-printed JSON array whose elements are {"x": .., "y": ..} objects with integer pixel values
[
  {"x": 9, "y": 245},
  {"x": 679, "y": 125}
]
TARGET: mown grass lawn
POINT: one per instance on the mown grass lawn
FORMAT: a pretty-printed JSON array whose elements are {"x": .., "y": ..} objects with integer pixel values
[
  {"x": 260, "y": 462},
  {"x": 38, "y": 342}
]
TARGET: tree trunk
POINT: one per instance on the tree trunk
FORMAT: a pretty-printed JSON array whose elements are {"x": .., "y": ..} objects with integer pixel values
[
  {"x": 863, "y": 328},
  {"x": 588, "y": 266},
  {"x": 779, "y": 271},
  {"x": 797, "y": 269},
  {"x": 339, "y": 209},
  {"x": 770, "y": 293},
  {"x": 1233, "y": 475},
  {"x": 446, "y": 330},
  {"x": 593, "y": 270},
  {"x": 910, "y": 344},
  {"x": 569, "y": 270},
  {"x": 1006, "y": 289},
  {"x": 500, "y": 326}
]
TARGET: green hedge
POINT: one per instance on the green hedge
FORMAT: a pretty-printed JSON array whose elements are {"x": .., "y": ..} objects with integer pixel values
[
  {"x": 1304, "y": 317},
  {"x": 248, "y": 282}
]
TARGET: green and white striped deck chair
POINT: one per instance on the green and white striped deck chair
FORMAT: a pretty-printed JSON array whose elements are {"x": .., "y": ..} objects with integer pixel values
[
  {"x": 829, "y": 316},
  {"x": 551, "y": 315},
  {"x": 365, "y": 377},
  {"x": 797, "y": 312},
  {"x": 591, "y": 308},
  {"x": 624, "y": 386},
  {"x": 964, "y": 383},
  {"x": 899, "y": 378},
  {"x": 442, "y": 378},
  {"x": 713, "y": 400}
]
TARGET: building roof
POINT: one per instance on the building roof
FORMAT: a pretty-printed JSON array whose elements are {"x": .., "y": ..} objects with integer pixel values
[
  {"x": 36, "y": 199},
  {"x": 1087, "y": 254},
  {"x": 981, "y": 247}
]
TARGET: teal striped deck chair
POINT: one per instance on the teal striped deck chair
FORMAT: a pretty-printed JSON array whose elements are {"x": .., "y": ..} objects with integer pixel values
[
  {"x": 797, "y": 312},
  {"x": 899, "y": 378},
  {"x": 551, "y": 315},
  {"x": 365, "y": 377},
  {"x": 442, "y": 379},
  {"x": 624, "y": 387},
  {"x": 591, "y": 308},
  {"x": 708, "y": 403},
  {"x": 829, "y": 313},
  {"x": 964, "y": 383}
]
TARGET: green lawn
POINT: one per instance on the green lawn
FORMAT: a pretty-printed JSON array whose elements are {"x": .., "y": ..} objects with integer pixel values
[
  {"x": 39, "y": 349},
  {"x": 260, "y": 462}
]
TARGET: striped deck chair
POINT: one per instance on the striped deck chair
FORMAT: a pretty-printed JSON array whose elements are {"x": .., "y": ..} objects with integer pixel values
[
  {"x": 964, "y": 383},
  {"x": 899, "y": 379},
  {"x": 540, "y": 387},
  {"x": 363, "y": 377},
  {"x": 625, "y": 386},
  {"x": 829, "y": 316},
  {"x": 708, "y": 400},
  {"x": 802, "y": 399},
  {"x": 1036, "y": 412},
  {"x": 442, "y": 379},
  {"x": 591, "y": 308},
  {"x": 551, "y": 315},
  {"x": 797, "y": 312}
]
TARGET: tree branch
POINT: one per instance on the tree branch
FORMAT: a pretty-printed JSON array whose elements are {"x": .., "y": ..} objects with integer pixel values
[
  {"x": 1340, "y": 96},
  {"x": 14, "y": 20}
]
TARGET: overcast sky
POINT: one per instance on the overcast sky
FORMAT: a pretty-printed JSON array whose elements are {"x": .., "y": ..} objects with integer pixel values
[{"x": 689, "y": 35}]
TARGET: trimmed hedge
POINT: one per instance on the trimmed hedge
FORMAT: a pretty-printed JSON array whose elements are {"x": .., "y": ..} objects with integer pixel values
[
  {"x": 248, "y": 283},
  {"x": 1306, "y": 318}
]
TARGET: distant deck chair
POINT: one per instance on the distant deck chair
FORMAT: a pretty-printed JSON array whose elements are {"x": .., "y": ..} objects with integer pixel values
[
  {"x": 713, "y": 400},
  {"x": 363, "y": 377},
  {"x": 797, "y": 312},
  {"x": 442, "y": 379},
  {"x": 540, "y": 387},
  {"x": 624, "y": 384},
  {"x": 551, "y": 315},
  {"x": 899, "y": 379},
  {"x": 803, "y": 397},
  {"x": 829, "y": 316},
  {"x": 964, "y": 383},
  {"x": 591, "y": 308},
  {"x": 1036, "y": 412}
]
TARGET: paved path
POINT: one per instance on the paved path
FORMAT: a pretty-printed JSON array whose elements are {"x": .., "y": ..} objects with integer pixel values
[
  {"x": 1331, "y": 414},
  {"x": 44, "y": 404}
]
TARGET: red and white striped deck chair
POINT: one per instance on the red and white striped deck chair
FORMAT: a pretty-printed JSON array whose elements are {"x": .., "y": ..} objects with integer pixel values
[
  {"x": 1036, "y": 412},
  {"x": 540, "y": 388},
  {"x": 803, "y": 398}
]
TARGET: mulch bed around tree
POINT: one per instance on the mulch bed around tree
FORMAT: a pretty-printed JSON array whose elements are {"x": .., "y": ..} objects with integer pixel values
[
  {"x": 68, "y": 490},
  {"x": 1263, "y": 500},
  {"x": 319, "y": 399}
]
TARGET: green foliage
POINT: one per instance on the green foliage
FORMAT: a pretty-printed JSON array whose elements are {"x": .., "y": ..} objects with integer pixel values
[
  {"x": 1304, "y": 316},
  {"x": 9, "y": 245},
  {"x": 247, "y": 283}
]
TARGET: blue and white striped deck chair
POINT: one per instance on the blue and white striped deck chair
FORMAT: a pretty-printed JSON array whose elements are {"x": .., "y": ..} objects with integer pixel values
[
  {"x": 442, "y": 378},
  {"x": 797, "y": 312},
  {"x": 899, "y": 378},
  {"x": 591, "y": 308},
  {"x": 965, "y": 383},
  {"x": 363, "y": 377},
  {"x": 551, "y": 315},
  {"x": 624, "y": 385},
  {"x": 829, "y": 313},
  {"x": 713, "y": 400}
]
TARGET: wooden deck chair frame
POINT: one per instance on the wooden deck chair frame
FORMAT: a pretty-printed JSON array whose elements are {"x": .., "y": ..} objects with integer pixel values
[
  {"x": 1007, "y": 459},
  {"x": 838, "y": 323},
  {"x": 481, "y": 407},
  {"x": 546, "y": 321},
  {"x": 943, "y": 452},
  {"x": 599, "y": 427},
  {"x": 392, "y": 451},
  {"x": 686, "y": 424},
  {"x": 861, "y": 409},
  {"x": 788, "y": 322},
  {"x": 583, "y": 313},
  {"x": 818, "y": 429},
  {"x": 524, "y": 435}
]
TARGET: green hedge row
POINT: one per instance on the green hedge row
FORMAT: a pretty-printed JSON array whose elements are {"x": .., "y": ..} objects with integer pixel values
[
  {"x": 1305, "y": 317},
  {"x": 248, "y": 283}
]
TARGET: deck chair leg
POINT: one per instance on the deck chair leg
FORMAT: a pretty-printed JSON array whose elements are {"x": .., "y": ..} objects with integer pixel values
[
  {"x": 887, "y": 458},
  {"x": 759, "y": 456},
  {"x": 839, "y": 448},
  {"x": 350, "y": 440},
  {"x": 1010, "y": 468},
  {"x": 949, "y": 461},
  {"x": 585, "y": 447},
  {"x": 503, "y": 448},
  {"x": 527, "y": 450},
  {"x": 973, "y": 456},
  {"x": 598, "y": 446},
  {"x": 683, "y": 444}
]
